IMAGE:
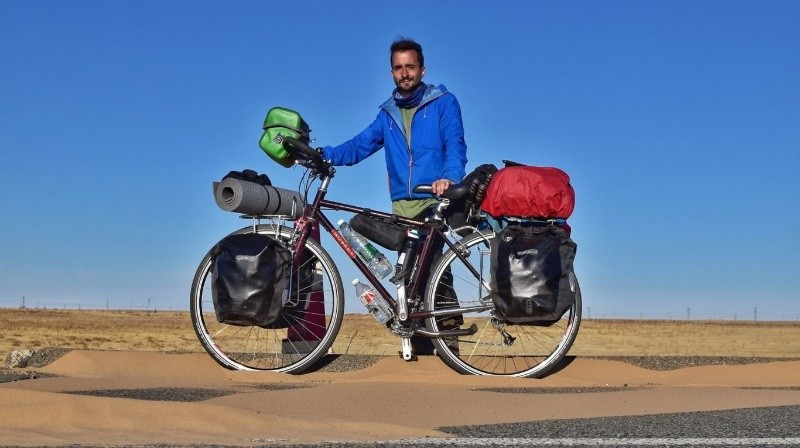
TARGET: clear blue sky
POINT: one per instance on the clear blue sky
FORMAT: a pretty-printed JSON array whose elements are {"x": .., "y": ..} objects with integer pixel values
[{"x": 678, "y": 122}]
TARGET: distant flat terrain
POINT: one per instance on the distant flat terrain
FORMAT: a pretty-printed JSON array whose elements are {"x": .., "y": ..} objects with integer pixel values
[{"x": 171, "y": 331}]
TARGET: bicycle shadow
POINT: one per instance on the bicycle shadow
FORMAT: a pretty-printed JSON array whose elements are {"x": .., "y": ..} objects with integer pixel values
[
  {"x": 343, "y": 363},
  {"x": 347, "y": 362},
  {"x": 561, "y": 365}
]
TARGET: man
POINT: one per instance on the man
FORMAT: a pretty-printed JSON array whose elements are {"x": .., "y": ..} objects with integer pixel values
[
  {"x": 420, "y": 129},
  {"x": 422, "y": 134}
]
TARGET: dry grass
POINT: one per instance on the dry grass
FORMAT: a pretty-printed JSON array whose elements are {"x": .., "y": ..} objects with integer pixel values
[
  {"x": 688, "y": 338},
  {"x": 169, "y": 331},
  {"x": 96, "y": 330}
]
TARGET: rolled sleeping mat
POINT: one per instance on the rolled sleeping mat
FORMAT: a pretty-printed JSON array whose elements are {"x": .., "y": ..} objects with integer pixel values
[{"x": 251, "y": 198}]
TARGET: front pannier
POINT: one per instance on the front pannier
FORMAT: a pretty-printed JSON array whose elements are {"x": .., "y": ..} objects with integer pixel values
[
  {"x": 533, "y": 281},
  {"x": 250, "y": 279}
]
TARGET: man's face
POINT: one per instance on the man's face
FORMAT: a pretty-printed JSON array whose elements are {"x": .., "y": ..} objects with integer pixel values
[{"x": 406, "y": 72}]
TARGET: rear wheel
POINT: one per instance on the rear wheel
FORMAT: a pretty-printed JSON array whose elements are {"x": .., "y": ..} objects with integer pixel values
[
  {"x": 535, "y": 350},
  {"x": 308, "y": 324}
]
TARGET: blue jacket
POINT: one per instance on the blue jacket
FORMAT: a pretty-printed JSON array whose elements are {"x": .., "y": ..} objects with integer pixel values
[{"x": 438, "y": 150}]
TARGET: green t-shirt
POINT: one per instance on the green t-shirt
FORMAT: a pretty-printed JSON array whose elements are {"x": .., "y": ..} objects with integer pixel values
[
  {"x": 410, "y": 208},
  {"x": 408, "y": 115}
]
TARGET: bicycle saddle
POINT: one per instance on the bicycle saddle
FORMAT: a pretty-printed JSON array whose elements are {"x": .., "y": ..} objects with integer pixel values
[{"x": 453, "y": 193}]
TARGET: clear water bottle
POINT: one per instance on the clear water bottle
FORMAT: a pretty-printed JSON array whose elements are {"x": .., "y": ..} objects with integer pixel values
[
  {"x": 376, "y": 261},
  {"x": 374, "y": 303}
]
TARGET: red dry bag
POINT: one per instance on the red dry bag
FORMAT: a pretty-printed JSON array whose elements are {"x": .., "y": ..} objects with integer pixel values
[{"x": 529, "y": 192}]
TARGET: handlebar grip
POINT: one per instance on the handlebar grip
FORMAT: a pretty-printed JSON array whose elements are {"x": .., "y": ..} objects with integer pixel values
[{"x": 300, "y": 149}]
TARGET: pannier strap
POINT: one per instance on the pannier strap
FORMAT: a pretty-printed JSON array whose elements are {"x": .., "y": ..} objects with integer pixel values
[{"x": 532, "y": 222}]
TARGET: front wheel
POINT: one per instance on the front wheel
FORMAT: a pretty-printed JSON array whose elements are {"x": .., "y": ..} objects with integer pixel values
[
  {"x": 309, "y": 322},
  {"x": 534, "y": 351}
]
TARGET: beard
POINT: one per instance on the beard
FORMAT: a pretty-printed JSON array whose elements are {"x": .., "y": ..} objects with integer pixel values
[{"x": 407, "y": 86}]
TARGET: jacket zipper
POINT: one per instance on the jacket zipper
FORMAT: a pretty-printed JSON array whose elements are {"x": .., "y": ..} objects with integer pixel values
[
  {"x": 410, "y": 153},
  {"x": 410, "y": 161}
]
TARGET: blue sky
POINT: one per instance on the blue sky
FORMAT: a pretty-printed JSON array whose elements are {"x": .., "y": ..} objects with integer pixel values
[{"x": 678, "y": 122}]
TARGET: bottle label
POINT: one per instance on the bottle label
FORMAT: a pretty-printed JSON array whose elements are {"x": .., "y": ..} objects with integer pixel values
[
  {"x": 367, "y": 297},
  {"x": 368, "y": 251}
]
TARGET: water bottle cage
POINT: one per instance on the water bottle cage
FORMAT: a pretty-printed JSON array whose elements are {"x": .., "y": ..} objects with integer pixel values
[{"x": 404, "y": 271}]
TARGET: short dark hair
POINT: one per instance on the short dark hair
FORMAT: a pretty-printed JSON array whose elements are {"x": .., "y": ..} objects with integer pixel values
[{"x": 406, "y": 44}]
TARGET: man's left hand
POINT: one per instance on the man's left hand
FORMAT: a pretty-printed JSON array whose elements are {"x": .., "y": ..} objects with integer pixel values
[{"x": 440, "y": 186}]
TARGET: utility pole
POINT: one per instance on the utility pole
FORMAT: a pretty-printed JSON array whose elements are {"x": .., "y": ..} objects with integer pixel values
[
  {"x": 688, "y": 313},
  {"x": 755, "y": 313},
  {"x": 23, "y": 302}
]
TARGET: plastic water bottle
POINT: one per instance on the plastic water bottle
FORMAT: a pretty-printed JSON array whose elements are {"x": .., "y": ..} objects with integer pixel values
[
  {"x": 374, "y": 303},
  {"x": 376, "y": 261}
]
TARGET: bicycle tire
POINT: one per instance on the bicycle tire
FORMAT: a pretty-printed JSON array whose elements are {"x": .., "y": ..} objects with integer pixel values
[
  {"x": 536, "y": 350},
  {"x": 306, "y": 333}
]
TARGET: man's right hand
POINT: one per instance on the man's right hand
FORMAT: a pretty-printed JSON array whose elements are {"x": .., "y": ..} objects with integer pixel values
[{"x": 440, "y": 186}]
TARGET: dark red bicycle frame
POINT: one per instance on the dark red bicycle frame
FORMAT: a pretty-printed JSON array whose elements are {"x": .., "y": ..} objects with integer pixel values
[{"x": 313, "y": 214}]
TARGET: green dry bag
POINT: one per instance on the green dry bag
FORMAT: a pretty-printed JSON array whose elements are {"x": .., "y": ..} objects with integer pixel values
[{"x": 281, "y": 123}]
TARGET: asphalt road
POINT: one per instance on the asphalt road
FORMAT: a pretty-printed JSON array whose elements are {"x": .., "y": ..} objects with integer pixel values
[{"x": 754, "y": 427}]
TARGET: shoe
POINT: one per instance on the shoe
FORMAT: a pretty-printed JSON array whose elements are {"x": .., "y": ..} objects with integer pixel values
[
  {"x": 421, "y": 345},
  {"x": 449, "y": 323}
]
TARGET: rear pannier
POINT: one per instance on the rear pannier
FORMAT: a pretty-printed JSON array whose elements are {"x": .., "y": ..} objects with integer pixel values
[{"x": 533, "y": 280}]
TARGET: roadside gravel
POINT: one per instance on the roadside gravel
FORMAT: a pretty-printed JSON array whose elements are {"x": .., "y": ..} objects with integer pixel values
[{"x": 679, "y": 362}]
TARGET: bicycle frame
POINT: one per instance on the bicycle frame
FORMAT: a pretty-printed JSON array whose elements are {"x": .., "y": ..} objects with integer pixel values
[
  {"x": 455, "y": 311},
  {"x": 313, "y": 214}
]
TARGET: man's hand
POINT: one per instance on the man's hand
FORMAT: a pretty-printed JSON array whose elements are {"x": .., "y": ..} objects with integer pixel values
[{"x": 440, "y": 186}]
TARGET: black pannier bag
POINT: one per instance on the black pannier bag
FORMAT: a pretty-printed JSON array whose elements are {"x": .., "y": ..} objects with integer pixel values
[
  {"x": 533, "y": 281},
  {"x": 387, "y": 234},
  {"x": 250, "y": 279}
]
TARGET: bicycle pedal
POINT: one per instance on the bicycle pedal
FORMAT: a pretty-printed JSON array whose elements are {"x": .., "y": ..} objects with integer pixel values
[
  {"x": 413, "y": 357},
  {"x": 407, "y": 353}
]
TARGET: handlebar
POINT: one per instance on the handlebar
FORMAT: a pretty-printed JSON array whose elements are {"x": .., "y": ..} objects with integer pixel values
[{"x": 307, "y": 155}]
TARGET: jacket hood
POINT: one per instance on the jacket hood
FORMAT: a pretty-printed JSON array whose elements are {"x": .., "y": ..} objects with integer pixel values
[{"x": 431, "y": 93}]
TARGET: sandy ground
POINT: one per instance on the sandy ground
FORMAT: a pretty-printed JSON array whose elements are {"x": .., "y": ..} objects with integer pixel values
[{"x": 127, "y": 397}]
